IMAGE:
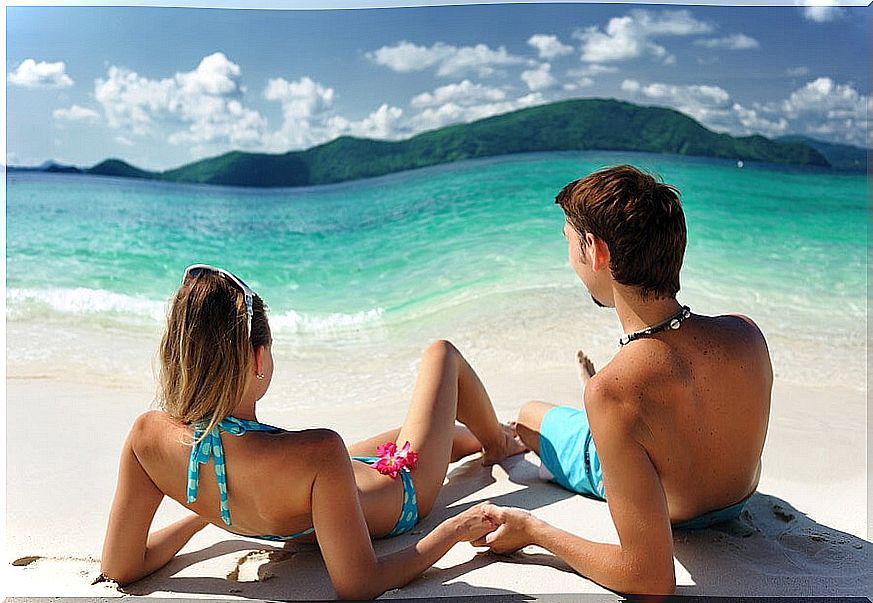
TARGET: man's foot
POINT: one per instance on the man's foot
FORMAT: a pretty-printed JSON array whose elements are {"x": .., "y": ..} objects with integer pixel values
[
  {"x": 508, "y": 445},
  {"x": 586, "y": 367}
]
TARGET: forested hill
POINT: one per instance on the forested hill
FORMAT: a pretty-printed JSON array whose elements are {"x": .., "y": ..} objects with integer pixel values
[
  {"x": 583, "y": 124},
  {"x": 840, "y": 156}
]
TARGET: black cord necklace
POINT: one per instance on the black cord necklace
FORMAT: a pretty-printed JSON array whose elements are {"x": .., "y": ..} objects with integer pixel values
[{"x": 674, "y": 322}]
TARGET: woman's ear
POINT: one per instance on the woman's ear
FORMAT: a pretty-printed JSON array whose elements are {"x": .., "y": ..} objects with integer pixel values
[{"x": 259, "y": 360}]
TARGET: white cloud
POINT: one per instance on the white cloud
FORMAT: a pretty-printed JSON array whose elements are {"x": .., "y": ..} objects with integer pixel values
[
  {"x": 539, "y": 78},
  {"x": 731, "y": 42},
  {"x": 30, "y": 74},
  {"x": 583, "y": 77},
  {"x": 822, "y": 107},
  {"x": 825, "y": 108},
  {"x": 631, "y": 86},
  {"x": 797, "y": 71},
  {"x": 308, "y": 118},
  {"x": 591, "y": 70},
  {"x": 207, "y": 100},
  {"x": 820, "y": 11},
  {"x": 461, "y": 103},
  {"x": 451, "y": 112},
  {"x": 384, "y": 123},
  {"x": 76, "y": 113},
  {"x": 822, "y": 96},
  {"x": 405, "y": 57},
  {"x": 631, "y": 36},
  {"x": 754, "y": 123},
  {"x": 705, "y": 103},
  {"x": 580, "y": 83},
  {"x": 381, "y": 123},
  {"x": 549, "y": 46},
  {"x": 302, "y": 98},
  {"x": 305, "y": 104},
  {"x": 123, "y": 140},
  {"x": 465, "y": 93}
]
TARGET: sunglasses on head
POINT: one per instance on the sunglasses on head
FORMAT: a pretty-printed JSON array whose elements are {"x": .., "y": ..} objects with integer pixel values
[{"x": 196, "y": 270}]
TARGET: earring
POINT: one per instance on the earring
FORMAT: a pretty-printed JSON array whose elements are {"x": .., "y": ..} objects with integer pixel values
[{"x": 259, "y": 376}]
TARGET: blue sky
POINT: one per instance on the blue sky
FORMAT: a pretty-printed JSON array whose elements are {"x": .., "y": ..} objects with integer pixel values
[{"x": 160, "y": 87}]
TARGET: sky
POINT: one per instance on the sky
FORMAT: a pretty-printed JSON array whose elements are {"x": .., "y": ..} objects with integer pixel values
[{"x": 162, "y": 87}]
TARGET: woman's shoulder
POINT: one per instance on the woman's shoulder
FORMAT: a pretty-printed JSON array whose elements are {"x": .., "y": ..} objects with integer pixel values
[
  {"x": 155, "y": 431},
  {"x": 150, "y": 420},
  {"x": 316, "y": 442}
]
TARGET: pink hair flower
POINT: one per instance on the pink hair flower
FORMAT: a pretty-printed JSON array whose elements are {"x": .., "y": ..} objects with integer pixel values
[{"x": 391, "y": 460}]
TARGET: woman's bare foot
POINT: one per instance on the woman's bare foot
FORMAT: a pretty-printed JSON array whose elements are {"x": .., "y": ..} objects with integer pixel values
[
  {"x": 509, "y": 445},
  {"x": 586, "y": 367}
]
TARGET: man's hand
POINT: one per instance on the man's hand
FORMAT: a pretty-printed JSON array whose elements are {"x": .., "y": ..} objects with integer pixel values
[
  {"x": 513, "y": 531},
  {"x": 473, "y": 524}
]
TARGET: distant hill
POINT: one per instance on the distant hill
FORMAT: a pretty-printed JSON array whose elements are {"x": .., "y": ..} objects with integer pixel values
[
  {"x": 47, "y": 166},
  {"x": 840, "y": 156},
  {"x": 117, "y": 167},
  {"x": 573, "y": 125}
]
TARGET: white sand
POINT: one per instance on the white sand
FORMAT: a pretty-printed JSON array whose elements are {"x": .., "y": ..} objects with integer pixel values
[{"x": 805, "y": 533}]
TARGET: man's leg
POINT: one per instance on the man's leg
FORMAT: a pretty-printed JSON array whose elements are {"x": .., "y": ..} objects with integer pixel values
[{"x": 530, "y": 417}]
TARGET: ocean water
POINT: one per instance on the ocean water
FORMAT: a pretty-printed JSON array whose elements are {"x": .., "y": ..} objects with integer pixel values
[{"x": 360, "y": 276}]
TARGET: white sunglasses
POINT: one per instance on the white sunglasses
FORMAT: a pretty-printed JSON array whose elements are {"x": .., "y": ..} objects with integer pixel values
[{"x": 196, "y": 270}]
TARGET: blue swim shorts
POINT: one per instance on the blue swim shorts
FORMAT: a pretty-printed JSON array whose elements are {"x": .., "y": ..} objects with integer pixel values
[{"x": 567, "y": 451}]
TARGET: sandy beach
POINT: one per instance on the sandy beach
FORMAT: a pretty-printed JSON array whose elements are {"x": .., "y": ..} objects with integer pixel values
[{"x": 805, "y": 533}]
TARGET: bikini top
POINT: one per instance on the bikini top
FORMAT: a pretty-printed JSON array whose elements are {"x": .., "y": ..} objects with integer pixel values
[{"x": 210, "y": 447}]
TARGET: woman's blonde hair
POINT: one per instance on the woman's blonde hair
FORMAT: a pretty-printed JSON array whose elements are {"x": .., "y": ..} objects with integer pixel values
[{"x": 206, "y": 353}]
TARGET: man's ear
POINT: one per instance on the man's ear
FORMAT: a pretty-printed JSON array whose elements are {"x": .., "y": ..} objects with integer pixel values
[{"x": 597, "y": 252}]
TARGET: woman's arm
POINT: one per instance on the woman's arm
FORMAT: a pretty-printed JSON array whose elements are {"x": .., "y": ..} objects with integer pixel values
[
  {"x": 345, "y": 543},
  {"x": 129, "y": 553}
]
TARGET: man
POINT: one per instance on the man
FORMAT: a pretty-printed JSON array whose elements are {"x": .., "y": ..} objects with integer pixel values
[{"x": 672, "y": 429}]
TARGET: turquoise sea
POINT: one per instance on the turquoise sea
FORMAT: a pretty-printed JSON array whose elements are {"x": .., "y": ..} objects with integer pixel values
[{"x": 471, "y": 250}]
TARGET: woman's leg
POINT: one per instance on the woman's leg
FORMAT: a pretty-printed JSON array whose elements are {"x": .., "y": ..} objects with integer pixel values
[
  {"x": 464, "y": 443},
  {"x": 447, "y": 389}
]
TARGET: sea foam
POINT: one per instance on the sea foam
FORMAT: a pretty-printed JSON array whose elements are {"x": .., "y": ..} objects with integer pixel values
[{"x": 36, "y": 303}]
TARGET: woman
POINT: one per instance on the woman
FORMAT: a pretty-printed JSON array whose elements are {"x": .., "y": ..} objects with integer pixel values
[{"x": 206, "y": 450}]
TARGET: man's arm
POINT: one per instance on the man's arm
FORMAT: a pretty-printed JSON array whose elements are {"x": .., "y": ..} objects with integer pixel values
[{"x": 643, "y": 561}]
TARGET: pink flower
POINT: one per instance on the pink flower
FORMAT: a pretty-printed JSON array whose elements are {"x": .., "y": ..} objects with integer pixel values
[
  {"x": 386, "y": 449},
  {"x": 391, "y": 461},
  {"x": 407, "y": 456}
]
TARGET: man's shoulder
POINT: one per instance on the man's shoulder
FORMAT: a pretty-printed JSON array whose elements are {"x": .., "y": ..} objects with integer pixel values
[
  {"x": 628, "y": 381},
  {"x": 616, "y": 390}
]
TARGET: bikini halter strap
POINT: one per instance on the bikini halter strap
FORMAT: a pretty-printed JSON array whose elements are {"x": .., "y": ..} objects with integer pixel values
[{"x": 210, "y": 447}]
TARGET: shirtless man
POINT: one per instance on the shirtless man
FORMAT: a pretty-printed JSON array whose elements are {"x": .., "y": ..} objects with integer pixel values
[{"x": 678, "y": 416}]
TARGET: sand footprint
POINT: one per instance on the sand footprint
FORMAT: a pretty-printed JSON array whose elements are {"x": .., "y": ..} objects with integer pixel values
[
  {"x": 781, "y": 514},
  {"x": 25, "y": 561},
  {"x": 250, "y": 567}
]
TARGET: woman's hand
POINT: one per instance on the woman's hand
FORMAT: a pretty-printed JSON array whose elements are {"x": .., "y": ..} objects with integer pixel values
[
  {"x": 514, "y": 529},
  {"x": 473, "y": 523}
]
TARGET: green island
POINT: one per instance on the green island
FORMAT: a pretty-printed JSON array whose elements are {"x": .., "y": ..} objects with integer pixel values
[{"x": 572, "y": 125}]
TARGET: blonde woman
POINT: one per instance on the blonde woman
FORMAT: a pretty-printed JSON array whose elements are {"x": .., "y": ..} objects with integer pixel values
[{"x": 207, "y": 450}]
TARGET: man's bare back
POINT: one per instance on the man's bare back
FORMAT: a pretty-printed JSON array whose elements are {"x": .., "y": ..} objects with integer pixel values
[{"x": 702, "y": 397}]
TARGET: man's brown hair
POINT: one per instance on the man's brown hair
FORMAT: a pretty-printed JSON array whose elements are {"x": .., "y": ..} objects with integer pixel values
[{"x": 640, "y": 220}]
